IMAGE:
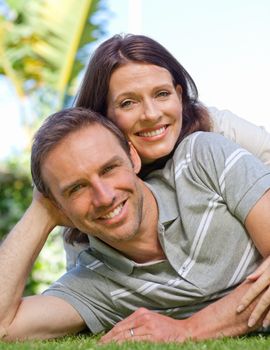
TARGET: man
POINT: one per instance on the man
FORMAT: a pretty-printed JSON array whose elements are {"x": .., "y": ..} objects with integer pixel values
[{"x": 158, "y": 252}]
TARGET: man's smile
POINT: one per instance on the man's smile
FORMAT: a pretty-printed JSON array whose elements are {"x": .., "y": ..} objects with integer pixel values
[{"x": 113, "y": 213}]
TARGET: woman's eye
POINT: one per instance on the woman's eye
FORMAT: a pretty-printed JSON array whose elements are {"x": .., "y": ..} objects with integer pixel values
[{"x": 126, "y": 104}]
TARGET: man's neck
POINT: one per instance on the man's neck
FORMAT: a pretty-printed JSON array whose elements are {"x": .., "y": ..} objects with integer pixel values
[{"x": 146, "y": 246}]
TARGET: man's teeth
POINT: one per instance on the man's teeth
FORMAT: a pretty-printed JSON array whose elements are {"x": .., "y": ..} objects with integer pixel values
[
  {"x": 113, "y": 213},
  {"x": 152, "y": 133}
]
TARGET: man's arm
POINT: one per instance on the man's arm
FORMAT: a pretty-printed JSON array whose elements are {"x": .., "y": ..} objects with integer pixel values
[
  {"x": 219, "y": 319},
  {"x": 43, "y": 317},
  {"x": 17, "y": 255}
]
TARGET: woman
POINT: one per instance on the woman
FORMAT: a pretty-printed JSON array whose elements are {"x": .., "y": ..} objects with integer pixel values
[
  {"x": 118, "y": 52},
  {"x": 138, "y": 84}
]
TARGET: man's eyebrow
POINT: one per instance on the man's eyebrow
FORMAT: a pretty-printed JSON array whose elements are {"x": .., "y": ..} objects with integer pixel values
[
  {"x": 114, "y": 159},
  {"x": 68, "y": 186}
]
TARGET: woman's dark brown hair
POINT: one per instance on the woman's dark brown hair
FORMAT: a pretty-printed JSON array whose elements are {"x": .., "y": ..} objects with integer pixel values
[{"x": 118, "y": 51}]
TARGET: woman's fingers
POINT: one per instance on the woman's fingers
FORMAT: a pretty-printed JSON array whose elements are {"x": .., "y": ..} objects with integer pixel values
[
  {"x": 260, "y": 270},
  {"x": 260, "y": 309},
  {"x": 255, "y": 290}
]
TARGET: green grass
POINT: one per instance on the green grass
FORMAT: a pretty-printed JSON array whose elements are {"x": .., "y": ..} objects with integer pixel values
[{"x": 85, "y": 342}]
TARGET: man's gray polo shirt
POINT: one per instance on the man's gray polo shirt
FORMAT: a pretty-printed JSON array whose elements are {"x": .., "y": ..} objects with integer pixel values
[{"x": 204, "y": 195}]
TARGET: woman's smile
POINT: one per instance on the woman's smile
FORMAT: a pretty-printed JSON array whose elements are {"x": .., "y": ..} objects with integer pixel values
[{"x": 147, "y": 107}]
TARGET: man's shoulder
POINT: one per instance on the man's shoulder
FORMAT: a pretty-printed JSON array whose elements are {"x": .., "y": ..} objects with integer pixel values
[
  {"x": 204, "y": 151},
  {"x": 202, "y": 141}
]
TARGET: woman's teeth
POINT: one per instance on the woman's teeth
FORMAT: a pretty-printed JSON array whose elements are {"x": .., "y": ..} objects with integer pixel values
[
  {"x": 113, "y": 213},
  {"x": 152, "y": 133}
]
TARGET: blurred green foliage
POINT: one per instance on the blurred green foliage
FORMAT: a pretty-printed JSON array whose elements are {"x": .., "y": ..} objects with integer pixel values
[
  {"x": 44, "y": 45},
  {"x": 15, "y": 197},
  {"x": 49, "y": 266}
]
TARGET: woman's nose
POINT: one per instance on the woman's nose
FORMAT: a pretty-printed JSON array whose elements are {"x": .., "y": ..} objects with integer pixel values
[{"x": 151, "y": 111}]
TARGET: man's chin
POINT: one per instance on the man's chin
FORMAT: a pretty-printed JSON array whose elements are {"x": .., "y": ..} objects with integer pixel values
[{"x": 118, "y": 238}]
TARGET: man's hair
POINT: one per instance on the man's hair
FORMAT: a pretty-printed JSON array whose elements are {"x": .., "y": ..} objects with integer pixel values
[
  {"x": 55, "y": 128},
  {"x": 122, "y": 49}
]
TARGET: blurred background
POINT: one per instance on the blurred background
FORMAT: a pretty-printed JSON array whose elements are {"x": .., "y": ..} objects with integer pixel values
[{"x": 45, "y": 45}]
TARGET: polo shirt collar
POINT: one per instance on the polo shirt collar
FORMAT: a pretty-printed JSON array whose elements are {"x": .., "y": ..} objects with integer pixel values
[
  {"x": 111, "y": 257},
  {"x": 166, "y": 201}
]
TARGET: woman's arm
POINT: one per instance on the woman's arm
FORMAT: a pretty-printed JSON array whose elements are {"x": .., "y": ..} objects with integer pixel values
[
  {"x": 253, "y": 138},
  {"x": 258, "y": 226}
]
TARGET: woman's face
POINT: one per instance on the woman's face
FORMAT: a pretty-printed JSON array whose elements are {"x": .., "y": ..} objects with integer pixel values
[{"x": 147, "y": 107}]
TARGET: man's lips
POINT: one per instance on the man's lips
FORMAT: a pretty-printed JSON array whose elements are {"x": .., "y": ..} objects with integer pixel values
[{"x": 151, "y": 132}]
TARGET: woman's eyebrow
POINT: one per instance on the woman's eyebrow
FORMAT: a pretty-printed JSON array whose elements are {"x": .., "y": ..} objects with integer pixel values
[{"x": 131, "y": 92}]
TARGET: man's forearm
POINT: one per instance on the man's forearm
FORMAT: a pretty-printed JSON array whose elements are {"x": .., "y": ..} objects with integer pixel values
[
  {"x": 221, "y": 319},
  {"x": 17, "y": 254}
]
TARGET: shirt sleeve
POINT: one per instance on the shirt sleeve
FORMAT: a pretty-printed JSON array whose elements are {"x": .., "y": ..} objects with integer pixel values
[
  {"x": 229, "y": 171},
  {"x": 87, "y": 291},
  {"x": 253, "y": 138}
]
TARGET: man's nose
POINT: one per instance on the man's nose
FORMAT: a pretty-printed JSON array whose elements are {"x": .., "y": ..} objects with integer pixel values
[
  {"x": 151, "y": 111},
  {"x": 103, "y": 194}
]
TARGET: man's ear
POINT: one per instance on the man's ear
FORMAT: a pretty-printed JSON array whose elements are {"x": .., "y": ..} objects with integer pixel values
[{"x": 135, "y": 159}]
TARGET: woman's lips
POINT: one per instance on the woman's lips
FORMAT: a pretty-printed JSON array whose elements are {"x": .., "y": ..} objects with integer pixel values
[{"x": 152, "y": 132}]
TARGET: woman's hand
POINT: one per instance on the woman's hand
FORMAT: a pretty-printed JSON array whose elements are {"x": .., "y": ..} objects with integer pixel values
[{"x": 261, "y": 284}]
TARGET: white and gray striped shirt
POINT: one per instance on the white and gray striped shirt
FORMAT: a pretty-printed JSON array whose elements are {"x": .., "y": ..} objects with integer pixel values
[{"x": 204, "y": 194}]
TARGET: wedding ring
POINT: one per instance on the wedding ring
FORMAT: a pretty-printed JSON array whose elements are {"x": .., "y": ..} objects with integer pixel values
[{"x": 131, "y": 331}]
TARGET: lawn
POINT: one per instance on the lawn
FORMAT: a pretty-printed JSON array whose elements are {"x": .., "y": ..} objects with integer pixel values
[{"x": 90, "y": 343}]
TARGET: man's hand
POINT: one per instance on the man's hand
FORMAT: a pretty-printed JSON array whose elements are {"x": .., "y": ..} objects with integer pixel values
[
  {"x": 261, "y": 283},
  {"x": 145, "y": 325},
  {"x": 41, "y": 203}
]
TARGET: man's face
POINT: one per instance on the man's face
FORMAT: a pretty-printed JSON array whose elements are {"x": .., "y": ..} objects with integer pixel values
[{"x": 94, "y": 183}]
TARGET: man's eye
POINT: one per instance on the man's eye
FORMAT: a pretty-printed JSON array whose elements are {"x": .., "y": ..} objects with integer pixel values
[
  {"x": 163, "y": 94},
  {"x": 75, "y": 188},
  {"x": 108, "y": 169}
]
